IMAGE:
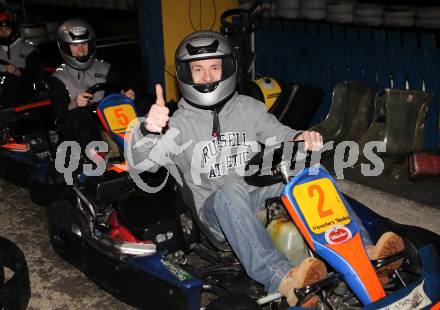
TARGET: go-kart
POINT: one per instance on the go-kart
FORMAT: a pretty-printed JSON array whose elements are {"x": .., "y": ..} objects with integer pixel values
[
  {"x": 152, "y": 252},
  {"x": 27, "y": 142},
  {"x": 322, "y": 215}
]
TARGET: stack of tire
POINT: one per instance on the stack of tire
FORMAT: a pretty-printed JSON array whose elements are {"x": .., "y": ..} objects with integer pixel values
[
  {"x": 428, "y": 17},
  {"x": 245, "y": 4},
  {"x": 340, "y": 11},
  {"x": 269, "y": 8},
  {"x": 368, "y": 14},
  {"x": 288, "y": 9},
  {"x": 108, "y": 4},
  {"x": 313, "y": 9},
  {"x": 34, "y": 33},
  {"x": 122, "y": 5},
  {"x": 399, "y": 16},
  {"x": 52, "y": 27}
]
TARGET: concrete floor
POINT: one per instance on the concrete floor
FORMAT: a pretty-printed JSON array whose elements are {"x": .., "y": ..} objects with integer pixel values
[
  {"x": 58, "y": 285},
  {"x": 55, "y": 284}
]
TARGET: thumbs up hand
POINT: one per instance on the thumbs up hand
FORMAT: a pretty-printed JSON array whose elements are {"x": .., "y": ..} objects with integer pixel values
[{"x": 157, "y": 117}]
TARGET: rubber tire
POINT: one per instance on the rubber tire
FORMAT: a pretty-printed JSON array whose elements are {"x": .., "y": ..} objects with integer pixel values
[
  {"x": 60, "y": 217},
  {"x": 288, "y": 13},
  {"x": 368, "y": 10},
  {"x": 432, "y": 12},
  {"x": 428, "y": 23},
  {"x": 42, "y": 194},
  {"x": 399, "y": 12},
  {"x": 368, "y": 20},
  {"x": 341, "y": 18},
  {"x": 313, "y": 4},
  {"x": 338, "y": 7},
  {"x": 33, "y": 30},
  {"x": 399, "y": 21},
  {"x": 289, "y": 4},
  {"x": 313, "y": 14}
]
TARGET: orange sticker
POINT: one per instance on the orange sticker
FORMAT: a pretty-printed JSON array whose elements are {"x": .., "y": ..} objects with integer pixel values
[
  {"x": 119, "y": 117},
  {"x": 321, "y": 205}
]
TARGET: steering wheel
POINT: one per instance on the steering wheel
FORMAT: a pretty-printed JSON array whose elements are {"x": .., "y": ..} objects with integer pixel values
[
  {"x": 107, "y": 86},
  {"x": 280, "y": 162}
]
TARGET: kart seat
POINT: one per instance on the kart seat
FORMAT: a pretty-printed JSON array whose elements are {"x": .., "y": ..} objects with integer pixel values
[
  {"x": 116, "y": 112},
  {"x": 188, "y": 200},
  {"x": 154, "y": 216},
  {"x": 348, "y": 115},
  {"x": 399, "y": 118},
  {"x": 297, "y": 105}
]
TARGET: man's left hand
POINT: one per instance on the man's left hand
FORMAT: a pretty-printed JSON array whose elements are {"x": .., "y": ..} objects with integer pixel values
[
  {"x": 130, "y": 94},
  {"x": 12, "y": 69},
  {"x": 313, "y": 140}
]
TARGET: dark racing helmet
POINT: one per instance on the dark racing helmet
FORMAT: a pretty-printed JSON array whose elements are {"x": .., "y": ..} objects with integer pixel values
[
  {"x": 8, "y": 19},
  {"x": 76, "y": 31},
  {"x": 202, "y": 45}
]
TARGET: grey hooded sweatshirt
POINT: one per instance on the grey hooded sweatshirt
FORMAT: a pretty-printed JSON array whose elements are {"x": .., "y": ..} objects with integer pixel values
[{"x": 208, "y": 162}]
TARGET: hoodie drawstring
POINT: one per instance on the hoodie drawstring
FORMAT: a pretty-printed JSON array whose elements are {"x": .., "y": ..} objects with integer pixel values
[{"x": 216, "y": 124}]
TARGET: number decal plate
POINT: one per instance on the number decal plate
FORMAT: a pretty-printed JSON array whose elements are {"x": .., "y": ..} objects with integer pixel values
[
  {"x": 119, "y": 116},
  {"x": 320, "y": 205}
]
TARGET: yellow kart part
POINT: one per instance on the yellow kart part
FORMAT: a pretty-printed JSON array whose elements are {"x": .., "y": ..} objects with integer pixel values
[{"x": 270, "y": 90}]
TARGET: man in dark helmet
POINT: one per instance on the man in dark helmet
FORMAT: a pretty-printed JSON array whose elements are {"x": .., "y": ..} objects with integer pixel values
[
  {"x": 218, "y": 127},
  {"x": 80, "y": 71},
  {"x": 19, "y": 63}
]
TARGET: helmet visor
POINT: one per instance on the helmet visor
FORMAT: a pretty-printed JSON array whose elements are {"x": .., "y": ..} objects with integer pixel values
[
  {"x": 206, "y": 70},
  {"x": 65, "y": 47}
]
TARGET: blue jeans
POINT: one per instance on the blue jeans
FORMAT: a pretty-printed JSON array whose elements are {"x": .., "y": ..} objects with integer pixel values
[{"x": 231, "y": 212}]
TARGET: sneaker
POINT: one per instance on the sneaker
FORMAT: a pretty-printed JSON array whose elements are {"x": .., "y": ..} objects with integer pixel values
[
  {"x": 310, "y": 270},
  {"x": 16, "y": 147},
  {"x": 9, "y": 143},
  {"x": 387, "y": 245}
]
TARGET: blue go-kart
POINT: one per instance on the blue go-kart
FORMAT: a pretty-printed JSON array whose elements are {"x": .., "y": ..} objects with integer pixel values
[
  {"x": 28, "y": 140},
  {"x": 152, "y": 252}
]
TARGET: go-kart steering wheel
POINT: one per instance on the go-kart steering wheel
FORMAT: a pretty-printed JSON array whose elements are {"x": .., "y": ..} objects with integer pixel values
[
  {"x": 277, "y": 172},
  {"x": 107, "y": 86}
]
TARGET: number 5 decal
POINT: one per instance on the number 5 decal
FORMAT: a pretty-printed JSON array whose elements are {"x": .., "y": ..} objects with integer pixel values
[
  {"x": 322, "y": 213},
  {"x": 122, "y": 118}
]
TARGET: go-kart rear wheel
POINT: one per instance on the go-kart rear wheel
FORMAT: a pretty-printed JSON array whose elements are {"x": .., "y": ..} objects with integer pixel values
[
  {"x": 64, "y": 227},
  {"x": 42, "y": 194}
]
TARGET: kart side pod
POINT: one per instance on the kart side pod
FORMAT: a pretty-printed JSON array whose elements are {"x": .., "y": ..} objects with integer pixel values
[{"x": 324, "y": 219}]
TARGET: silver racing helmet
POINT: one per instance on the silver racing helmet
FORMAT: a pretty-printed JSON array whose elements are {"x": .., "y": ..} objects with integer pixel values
[
  {"x": 76, "y": 31},
  {"x": 203, "y": 45}
]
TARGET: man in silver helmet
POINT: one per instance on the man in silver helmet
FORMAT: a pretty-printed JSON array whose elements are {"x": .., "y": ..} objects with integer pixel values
[
  {"x": 80, "y": 71},
  {"x": 20, "y": 65},
  {"x": 217, "y": 126}
]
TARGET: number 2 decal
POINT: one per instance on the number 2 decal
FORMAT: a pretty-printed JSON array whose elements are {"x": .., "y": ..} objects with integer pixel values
[
  {"x": 122, "y": 118},
  {"x": 322, "y": 213}
]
